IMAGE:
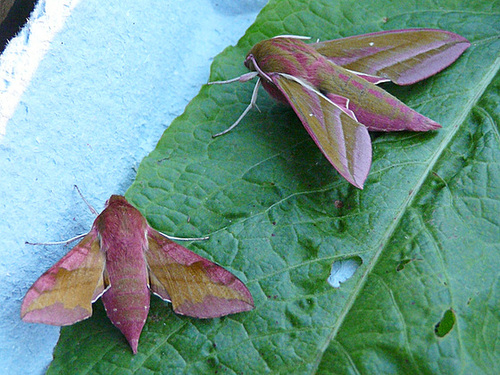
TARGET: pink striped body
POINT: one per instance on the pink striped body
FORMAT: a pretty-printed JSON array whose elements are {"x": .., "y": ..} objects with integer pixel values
[{"x": 123, "y": 239}]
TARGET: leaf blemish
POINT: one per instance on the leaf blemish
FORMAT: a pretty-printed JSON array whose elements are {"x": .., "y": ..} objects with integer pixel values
[
  {"x": 402, "y": 264},
  {"x": 343, "y": 270},
  {"x": 446, "y": 324}
]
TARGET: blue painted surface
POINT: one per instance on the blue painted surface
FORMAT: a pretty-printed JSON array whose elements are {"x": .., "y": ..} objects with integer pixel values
[{"x": 115, "y": 77}]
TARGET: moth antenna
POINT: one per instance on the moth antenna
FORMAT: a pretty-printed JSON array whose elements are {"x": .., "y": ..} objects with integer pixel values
[
  {"x": 65, "y": 242},
  {"x": 247, "y": 109},
  {"x": 184, "y": 238},
  {"x": 57, "y": 242},
  {"x": 92, "y": 209},
  {"x": 243, "y": 78},
  {"x": 224, "y": 82},
  {"x": 292, "y": 37}
]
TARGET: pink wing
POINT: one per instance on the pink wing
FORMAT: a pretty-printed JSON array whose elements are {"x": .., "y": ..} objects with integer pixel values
[
  {"x": 332, "y": 125},
  {"x": 64, "y": 294},
  {"x": 195, "y": 286},
  {"x": 401, "y": 56}
]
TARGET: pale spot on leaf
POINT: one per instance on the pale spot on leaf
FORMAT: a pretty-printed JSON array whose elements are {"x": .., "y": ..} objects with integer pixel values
[{"x": 343, "y": 270}]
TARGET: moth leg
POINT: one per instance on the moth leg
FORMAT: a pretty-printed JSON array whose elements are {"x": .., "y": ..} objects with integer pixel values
[{"x": 250, "y": 106}]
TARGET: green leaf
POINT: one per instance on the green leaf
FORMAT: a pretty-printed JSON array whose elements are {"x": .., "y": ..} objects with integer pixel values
[{"x": 425, "y": 228}]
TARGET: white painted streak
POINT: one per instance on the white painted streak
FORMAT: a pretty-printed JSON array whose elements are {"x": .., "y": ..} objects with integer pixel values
[{"x": 24, "y": 52}]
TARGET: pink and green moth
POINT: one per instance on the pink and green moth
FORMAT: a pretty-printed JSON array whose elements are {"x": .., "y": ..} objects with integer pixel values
[
  {"x": 122, "y": 259},
  {"x": 332, "y": 86}
]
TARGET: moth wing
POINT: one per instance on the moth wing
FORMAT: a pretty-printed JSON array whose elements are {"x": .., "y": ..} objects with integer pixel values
[
  {"x": 342, "y": 139},
  {"x": 196, "y": 286},
  {"x": 401, "y": 56},
  {"x": 64, "y": 294}
]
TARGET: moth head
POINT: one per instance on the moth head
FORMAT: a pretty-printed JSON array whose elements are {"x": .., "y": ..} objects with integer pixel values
[
  {"x": 116, "y": 200},
  {"x": 282, "y": 54}
]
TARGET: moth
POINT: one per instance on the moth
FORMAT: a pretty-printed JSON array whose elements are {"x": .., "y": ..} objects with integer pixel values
[
  {"x": 122, "y": 259},
  {"x": 332, "y": 86}
]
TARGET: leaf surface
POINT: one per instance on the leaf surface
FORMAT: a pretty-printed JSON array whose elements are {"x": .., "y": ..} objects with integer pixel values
[{"x": 425, "y": 228}]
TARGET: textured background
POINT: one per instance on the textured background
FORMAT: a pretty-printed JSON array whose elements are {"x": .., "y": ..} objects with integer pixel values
[{"x": 112, "y": 80}]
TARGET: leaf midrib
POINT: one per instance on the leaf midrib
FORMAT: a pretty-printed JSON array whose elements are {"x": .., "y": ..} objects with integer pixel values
[{"x": 385, "y": 239}]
